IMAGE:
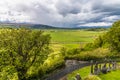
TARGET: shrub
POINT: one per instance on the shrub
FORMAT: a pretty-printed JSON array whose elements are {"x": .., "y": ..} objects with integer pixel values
[
  {"x": 55, "y": 66},
  {"x": 73, "y": 51},
  {"x": 70, "y": 53},
  {"x": 88, "y": 46},
  {"x": 96, "y": 54},
  {"x": 99, "y": 42}
]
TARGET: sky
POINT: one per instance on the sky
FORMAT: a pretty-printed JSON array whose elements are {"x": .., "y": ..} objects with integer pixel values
[{"x": 61, "y": 13}]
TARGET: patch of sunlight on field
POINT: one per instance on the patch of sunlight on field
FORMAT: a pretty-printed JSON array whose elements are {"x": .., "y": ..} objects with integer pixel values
[
  {"x": 56, "y": 47},
  {"x": 71, "y": 38},
  {"x": 75, "y": 45},
  {"x": 73, "y": 35}
]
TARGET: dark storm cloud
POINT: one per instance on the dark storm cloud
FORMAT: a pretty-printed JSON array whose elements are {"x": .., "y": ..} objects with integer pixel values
[{"x": 67, "y": 7}]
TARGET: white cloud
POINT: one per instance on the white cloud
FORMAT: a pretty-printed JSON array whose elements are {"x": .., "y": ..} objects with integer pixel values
[
  {"x": 97, "y": 24},
  {"x": 111, "y": 18}
]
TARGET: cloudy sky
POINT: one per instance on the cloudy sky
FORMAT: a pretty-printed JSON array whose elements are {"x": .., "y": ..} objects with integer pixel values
[{"x": 61, "y": 13}]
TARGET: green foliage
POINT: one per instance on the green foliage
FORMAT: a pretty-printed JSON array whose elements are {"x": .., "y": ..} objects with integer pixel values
[
  {"x": 38, "y": 74},
  {"x": 70, "y": 53},
  {"x": 99, "y": 42},
  {"x": 113, "y": 36},
  {"x": 87, "y": 53},
  {"x": 55, "y": 66},
  {"x": 88, "y": 47},
  {"x": 63, "y": 51},
  {"x": 73, "y": 51},
  {"x": 22, "y": 49},
  {"x": 54, "y": 62},
  {"x": 96, "y": 54}
]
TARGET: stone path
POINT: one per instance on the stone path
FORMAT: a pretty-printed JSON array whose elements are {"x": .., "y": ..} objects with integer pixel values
[{"x": 71, "y": 65}]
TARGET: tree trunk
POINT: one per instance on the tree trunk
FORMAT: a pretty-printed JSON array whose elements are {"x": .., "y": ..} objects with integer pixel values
[{"x": 21, "y": 74}]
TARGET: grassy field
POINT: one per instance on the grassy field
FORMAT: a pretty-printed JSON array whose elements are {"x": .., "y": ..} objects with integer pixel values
[
  {"x": 83, "y": 73},
  {"x": 71, "y": 38},
  {"x": 113, "y": 75}
]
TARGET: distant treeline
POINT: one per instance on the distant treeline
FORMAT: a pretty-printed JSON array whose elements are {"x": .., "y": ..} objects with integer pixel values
[{"x": 96, "y": 29}]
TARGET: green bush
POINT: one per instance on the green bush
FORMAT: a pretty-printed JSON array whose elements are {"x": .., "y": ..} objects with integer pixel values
[
  {"x": 99, "y": 42},
  {"x": 55, "y": 67},
  {"x": 92, "y": 77},
  {"x": 96, "y": 54},
  {"x": 88, "y": 46},
  {"x": 70, "y": 53},
  {"x": 73, "y": 51}
]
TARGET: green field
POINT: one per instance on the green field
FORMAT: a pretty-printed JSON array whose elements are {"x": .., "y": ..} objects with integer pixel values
[{"x": 71, "y": 38}]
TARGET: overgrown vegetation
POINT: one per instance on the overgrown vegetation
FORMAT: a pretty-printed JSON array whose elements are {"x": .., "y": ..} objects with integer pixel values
[{"x": 22, "y": 50}]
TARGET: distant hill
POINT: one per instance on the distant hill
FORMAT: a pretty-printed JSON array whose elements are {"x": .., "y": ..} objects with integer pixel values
[
  {"x": 33, "y": 26},
  {"x": 41, "y": 26}
]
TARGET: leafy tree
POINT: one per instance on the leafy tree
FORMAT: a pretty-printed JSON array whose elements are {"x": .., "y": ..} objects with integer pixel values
[
  {"x": 22, "y": 49},
  {"x": 110, "y": 39},
  {"x": 113, "y": 36}
]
